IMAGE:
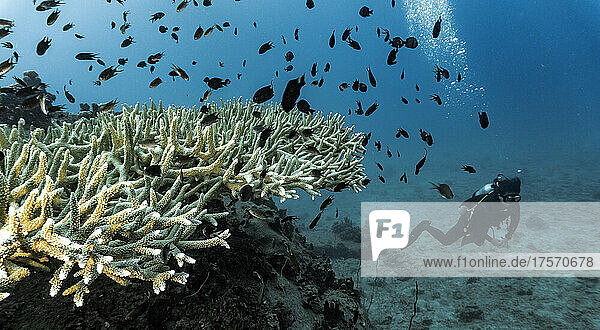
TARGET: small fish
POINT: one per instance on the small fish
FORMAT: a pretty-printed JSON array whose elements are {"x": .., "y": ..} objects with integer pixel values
[
  {"x": 206, "y": 95},
  {"x": 156, "y": 16},
  {"x": 67, "y": 27},
  {"x": 402, "y": 132},
  {"x": 459, "y": 77},
  {"x": 380, "y": 167},
  {"x": 142, "y": 64},
  {"x": 378, "y": 145},
  {"x": 163, "y": 29},
  {"x": 337, "y": 212},
  {"x": 371, "y": 77},
  {"x": 154, "y": 83},
  {"x": 296, "y": 33},
  {"x": 128, "y": 41},
  {"x": 436, "y": 98},
  {"x": 265, "y": 47},
  {"x": 43, "y": 46},
  {"x": 468, "y": 168},
  {"x": 362, "y": 87},
  {"x": 391, "y": 59},
  {"x": 122, "y": 61},
  {"x": 354, "y": 44},
  {"x": 123, "y": 28},
  {"x": 235, "y": 31},
  {"x": 244, "y": 63},
  {"x": 218, "y": 27},
  {"x": 209, "y": 119},
  {"x": 403, "y": 178},
  {"x": 304, "y": 107},
  {"x": 291, "y": 93},
  {"x": 443, "y": 189},
  {"x": 113, "y": 25},
  {"x": 68, "y": 95},
  {"x": 313, "y": 70},
  {"x": 182, "y": 5},
  {"x": 283, "y": 40},
  {"x": 289, "y": 56},
  {"x": 417, "y": 87},
  {"x": 359, "y": 112},
  {"x": 90, "y": 68},
  {"x": 388, "y": 152},
  {"x": 426, "y": 137},
  {"x": 402, "y": 74},
  {"x": 310, "y": 4},
  {"x": 382, "y": 179},
  {"x": 327, "y": 67},
  {"x": 346, "y": 34},
  {"x": 263, "y": 94},
  {"x": 109, "y": 73},
  {"x": 153, "y": 59},
  {"x": 206, "y": 3},
  {"x": 180, "y": 72},
  {"x": 326, "y": 202},
  {"x": 332, "y": 39},
  {"x": 52, "y": 17},
  {"x": 198, "y": 33},
  {"x": 405, "y": 101},
  {"x": 437, "y": 27},
  {"x": 313, "y": 223},
  {"x": 417, "y": 100},
  {"x": 216, "y": 83},
  {"x": 79, "y": 36},
  {"x": 5, "y": 23},
  {"x": 420, "y": 163},
  {"x": 175, "y": 37},
  {"x": 125, "y": 13},
  {"x": 226, "y": 24},
  {"x": 99, "y": 61},
  {"x": 365, "y": 11},
  {"x": 8, "y": 45},
  {"x": 371, "y": 109},
  {"x": 483, "y": 119},
  {"x": 411, "y": 42}
]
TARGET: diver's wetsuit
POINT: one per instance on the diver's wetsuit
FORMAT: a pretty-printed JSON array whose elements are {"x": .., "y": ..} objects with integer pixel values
[{"x": 479, "y": 213}]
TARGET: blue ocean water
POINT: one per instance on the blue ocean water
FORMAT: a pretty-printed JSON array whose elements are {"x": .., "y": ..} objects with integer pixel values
[{"x": 531, "y": 65}]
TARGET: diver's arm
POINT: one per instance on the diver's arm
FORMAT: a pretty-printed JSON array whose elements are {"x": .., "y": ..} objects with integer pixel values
[{"x": 514, "y": 221}]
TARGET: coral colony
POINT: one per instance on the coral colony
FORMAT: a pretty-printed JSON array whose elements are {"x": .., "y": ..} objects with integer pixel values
[{"x": 123, "y": 193}]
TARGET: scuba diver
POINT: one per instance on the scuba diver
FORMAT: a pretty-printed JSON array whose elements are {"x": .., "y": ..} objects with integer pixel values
[{"x": 489, "y": 206}]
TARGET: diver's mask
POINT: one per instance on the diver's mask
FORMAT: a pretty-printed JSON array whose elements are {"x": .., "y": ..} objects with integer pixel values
[{"x": 508, "y": 189}]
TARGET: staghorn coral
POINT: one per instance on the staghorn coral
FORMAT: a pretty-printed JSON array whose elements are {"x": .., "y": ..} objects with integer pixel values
[{"x": 80, "y": 193}]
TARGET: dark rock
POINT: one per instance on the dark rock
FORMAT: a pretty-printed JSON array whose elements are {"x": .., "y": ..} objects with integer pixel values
[{"x": 469, "y": 313}]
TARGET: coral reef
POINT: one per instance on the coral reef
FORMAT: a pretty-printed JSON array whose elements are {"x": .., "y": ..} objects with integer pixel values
[{"x": 124, "y": 193}]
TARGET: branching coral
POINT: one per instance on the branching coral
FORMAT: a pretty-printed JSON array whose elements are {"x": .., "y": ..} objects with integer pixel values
[{"x": 83, "y": 193}]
